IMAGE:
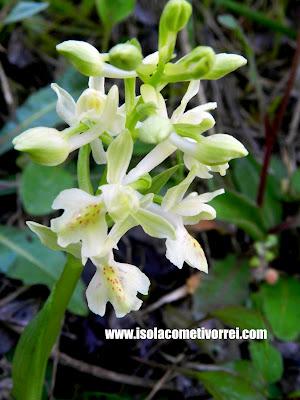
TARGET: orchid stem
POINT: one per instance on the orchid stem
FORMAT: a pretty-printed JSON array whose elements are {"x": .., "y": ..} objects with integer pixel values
[
  {"x": 39, "y": 337},
  {"x": 129, "y": 94}
]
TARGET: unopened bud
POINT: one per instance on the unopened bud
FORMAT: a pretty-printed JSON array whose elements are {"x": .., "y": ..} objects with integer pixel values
[
  {"x": 224, "y": 64},
  {"x": 175, "y": 15},
  {"x": 173, "y": 19},
  {"x": 45, "y": 146},
  {"x": 219, "y": 149},
  {"x": 85, "y": 57},
  {"x": 125, "y": 56},
  {"x": 194, "y": 65},
  {"x": 155, "y": 129}
]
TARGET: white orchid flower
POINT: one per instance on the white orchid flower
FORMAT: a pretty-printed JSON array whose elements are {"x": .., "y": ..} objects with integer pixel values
[
  {"x": 180, "y": 211},
  {"x": 93, "y": 108},
  {"x": 122, "y": 202},
  {"x": 83, "y": 221},
  {"x": 118, "y": 284}
]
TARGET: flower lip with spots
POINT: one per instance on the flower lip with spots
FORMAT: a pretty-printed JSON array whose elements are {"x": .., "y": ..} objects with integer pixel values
[
  {"x": 83, "y": 221},
  {"x": 118, "y": 284}
]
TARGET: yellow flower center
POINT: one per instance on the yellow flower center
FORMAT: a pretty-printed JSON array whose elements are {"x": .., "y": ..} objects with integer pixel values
[{"x": 90, "y": 102}]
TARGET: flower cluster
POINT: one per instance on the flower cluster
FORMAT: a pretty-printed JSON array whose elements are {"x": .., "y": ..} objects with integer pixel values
[{"x": 92, "y": 223}]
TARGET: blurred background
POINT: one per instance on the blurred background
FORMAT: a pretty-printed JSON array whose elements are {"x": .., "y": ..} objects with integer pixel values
[{"x": 253, "y": 247}]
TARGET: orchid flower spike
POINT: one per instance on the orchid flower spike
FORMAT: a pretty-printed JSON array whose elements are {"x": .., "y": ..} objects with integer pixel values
[{"x": 131, "y": 191}]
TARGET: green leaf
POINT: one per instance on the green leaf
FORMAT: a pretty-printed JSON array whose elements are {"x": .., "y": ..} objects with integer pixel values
[
  {"x": 39, "y": 109},
  {"x": 295, "y": 183},
  {"x": 32, "y": 263},
  {"x": 226, "y": 284},
  {"x": 246, "y": 369},
  {"x": 40, "y": 185},
  {"x": 237, "y": 209},
  {"x": 267, "y": 360},
  {"x": 280, "y": 304},
  {"x": 160, "y": 180},
  {"x": 225, "y": 385},
  {"x": 38, "y": 338},
  {"x": 246, "y": 174},
  {"x": 141, "y": 148},
  {"x": 113, "y": 12},
  {"x": 23, "y": 10},
  {"x": 242, "y": 317}
]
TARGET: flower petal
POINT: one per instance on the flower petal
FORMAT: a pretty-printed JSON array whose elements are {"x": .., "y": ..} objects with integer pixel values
[
  {"x": 93, "y": 236},
  {"x": 97, "y": 83},
  {"x": 155, "y": 157},
  {"x": 88, "y": 136},
  {"x": 197, "y": 117},
  {"x": 201, "y": 170},
  {"x": 97, "y": 294},
  {"x": 65, "y": 106},
  {"x": 49, "y": 239},
  {"x": 151, "y": 58},
  {"x": 192, "y": 90},
  {"x": 153, "y": 224},
  {"x": 186, "y": 249},
  {"x": 98, "y": 152},
  {"x": 208, "y": 196},
  {"x": 119, "y": 155},
  {"x": 82, "y": 221},
  {"x": 176, "y": 193}
]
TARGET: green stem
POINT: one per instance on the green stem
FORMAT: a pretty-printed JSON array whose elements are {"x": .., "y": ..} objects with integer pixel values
[
  {"x": 129, "y": 94},
  {"x": 83, "y": 169},
  {"x": 39, "y": 337}
]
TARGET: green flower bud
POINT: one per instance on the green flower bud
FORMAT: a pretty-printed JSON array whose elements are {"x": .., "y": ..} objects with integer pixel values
[
  {"x": 155, "y": 129},
  {"x": 219, "y": 149},
  {"x": 85, "y": 57},
  {"x": 45, "y": 146},
  {"x": 125, "y": 56},
  {"x": 175, "y": 15},
  {"x": 192, "y": 66},
  {"x": 224, "y": 64}
]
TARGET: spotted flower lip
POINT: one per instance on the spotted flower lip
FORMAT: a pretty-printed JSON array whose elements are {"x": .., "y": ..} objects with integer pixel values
[
  {"x": 179, "y": 210},
  {"x": 118, "y": 284},
  {"x": 83, "y": 221}
]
